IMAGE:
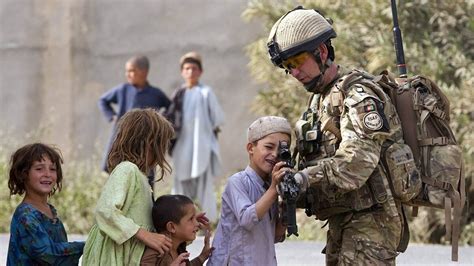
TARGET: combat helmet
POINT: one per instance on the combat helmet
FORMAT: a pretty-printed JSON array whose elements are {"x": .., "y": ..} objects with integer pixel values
[{"x": 299, "y": 30}]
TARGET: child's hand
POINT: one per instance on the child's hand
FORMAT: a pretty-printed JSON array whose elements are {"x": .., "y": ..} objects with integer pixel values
[
  {"x": 180, "y": 260},
  {"x": 278, "y": 172},
  {"x": 207, "y": 249},
  {"x": 203, "y": 221},
  {"x": 201, "y": 217},
  {"x": 280, "y": 230},
  {"x": 158, "y": 242}
]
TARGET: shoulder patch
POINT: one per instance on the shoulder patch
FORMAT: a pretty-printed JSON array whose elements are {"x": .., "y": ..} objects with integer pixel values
[
  {"x": 373, "y": 121},
  {"x": 359, "y": 88}
]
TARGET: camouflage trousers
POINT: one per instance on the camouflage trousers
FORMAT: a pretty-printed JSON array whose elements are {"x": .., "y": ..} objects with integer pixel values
[{"x": 369, "y": 238}]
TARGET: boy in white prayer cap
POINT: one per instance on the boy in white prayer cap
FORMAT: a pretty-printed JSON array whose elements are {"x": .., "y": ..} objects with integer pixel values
[{"x": 249, "y": 225}]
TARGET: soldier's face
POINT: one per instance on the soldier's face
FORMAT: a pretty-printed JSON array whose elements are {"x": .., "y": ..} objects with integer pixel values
[
  {"x": 264, "y": 153},
  {"x": 306, "y": 71}
]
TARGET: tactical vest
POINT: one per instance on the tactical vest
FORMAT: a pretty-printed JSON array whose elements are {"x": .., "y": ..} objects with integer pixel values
[{"x": 318, "y": 137}]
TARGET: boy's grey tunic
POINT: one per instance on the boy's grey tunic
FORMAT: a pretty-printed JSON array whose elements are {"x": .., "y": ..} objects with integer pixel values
[{"x": 196, "y": 152}]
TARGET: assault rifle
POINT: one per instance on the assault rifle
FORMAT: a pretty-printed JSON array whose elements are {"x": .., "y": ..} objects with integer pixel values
[{"x": 289, "y": 190}]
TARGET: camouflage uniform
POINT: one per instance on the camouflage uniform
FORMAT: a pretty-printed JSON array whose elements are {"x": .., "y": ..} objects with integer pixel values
[{"x": 339, "y": 142}]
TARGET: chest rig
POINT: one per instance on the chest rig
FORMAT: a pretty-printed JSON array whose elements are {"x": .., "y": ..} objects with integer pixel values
[
  {"x": 318, "y": 137},
  {"x": 318, "y": 133}
]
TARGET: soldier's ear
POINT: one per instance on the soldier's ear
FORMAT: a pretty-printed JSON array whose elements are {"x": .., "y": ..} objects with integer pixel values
[{"x": 323, "y": 52}]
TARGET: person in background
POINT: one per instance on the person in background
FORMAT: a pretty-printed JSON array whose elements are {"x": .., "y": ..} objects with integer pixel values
[
  {"x": 196, "y": 116},
  {"x": 249, "y": 224},
  {"x": 135, "y": 93},
  {"x": 37, "y": 235}
]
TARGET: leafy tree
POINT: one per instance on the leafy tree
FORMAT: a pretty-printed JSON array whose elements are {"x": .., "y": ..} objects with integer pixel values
[{"x": 438, "y": 42}]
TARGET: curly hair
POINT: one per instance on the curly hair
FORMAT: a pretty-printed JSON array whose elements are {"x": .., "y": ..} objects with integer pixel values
[
  {"x": 22, "y": 160},
  {"x": 143, "y": 137}
]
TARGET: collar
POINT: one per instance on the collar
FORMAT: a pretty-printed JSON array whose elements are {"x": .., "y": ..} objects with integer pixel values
[
  {"x": 341, "y": 71},
  {"x": 137, "y": 89},
  {"x": 255, "y": 177},
  {"x": 197, "y": 85}
]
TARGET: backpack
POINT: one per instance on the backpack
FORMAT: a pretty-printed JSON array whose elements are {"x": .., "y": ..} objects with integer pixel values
[{"x": 427, "y": 169}]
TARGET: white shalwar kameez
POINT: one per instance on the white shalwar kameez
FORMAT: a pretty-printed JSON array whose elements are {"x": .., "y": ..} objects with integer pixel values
[{"x": 196, "y": 152}]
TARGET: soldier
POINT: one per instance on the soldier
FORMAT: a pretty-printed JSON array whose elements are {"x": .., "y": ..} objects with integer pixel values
[{"x": 339, "y": 141}]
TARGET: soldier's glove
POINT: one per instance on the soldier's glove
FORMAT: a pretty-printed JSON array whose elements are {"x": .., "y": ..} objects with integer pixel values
[{"x": 302, "y": 181}]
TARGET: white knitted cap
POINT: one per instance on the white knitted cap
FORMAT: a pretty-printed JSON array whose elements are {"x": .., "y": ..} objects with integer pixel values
[
  {"x": 300, "y": 26},
  {"x": 267, "y": 125},
  {"x": 194, "y": 55}
]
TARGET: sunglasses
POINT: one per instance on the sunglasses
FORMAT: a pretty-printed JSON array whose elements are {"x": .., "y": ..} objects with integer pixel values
[{"x": 295, "y": 61}]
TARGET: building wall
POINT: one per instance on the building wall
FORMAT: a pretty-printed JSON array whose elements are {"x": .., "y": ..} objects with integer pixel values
[{"x": 59, "y": 56}]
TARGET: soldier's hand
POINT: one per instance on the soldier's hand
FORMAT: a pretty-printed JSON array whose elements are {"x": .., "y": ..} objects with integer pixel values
[{"x": 302, "y": 181}]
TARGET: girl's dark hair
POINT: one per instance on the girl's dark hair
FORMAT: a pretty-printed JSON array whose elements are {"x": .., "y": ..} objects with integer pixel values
[
  {"x": 22, "y": 160},
  {"x": 169, "y": 208},
  {"x": 140, "y": 61},
  {"x": 192, "y": 61},
  {"x": 143, "y": 136}
]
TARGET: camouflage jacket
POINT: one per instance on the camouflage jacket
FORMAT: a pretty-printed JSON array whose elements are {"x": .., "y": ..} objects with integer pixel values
[{"x": 339, "y": 140}]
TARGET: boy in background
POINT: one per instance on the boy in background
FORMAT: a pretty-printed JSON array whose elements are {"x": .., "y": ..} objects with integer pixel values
[
  {"x": 196, "y": 116},
  {"x": 135, "y": 93}
]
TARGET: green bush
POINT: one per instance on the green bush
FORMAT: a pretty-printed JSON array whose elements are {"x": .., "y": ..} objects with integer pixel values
[
  {"x": 76, "y": 202},
  {"x": 7, "y": 203},
  {"x": 364, "y": 41}
]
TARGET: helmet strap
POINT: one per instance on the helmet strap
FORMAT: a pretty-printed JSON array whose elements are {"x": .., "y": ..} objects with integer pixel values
[{"x": 315, "y": 85}]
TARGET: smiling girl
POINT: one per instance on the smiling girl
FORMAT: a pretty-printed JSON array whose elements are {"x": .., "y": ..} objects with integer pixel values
[{"x": 37, "y": 235}]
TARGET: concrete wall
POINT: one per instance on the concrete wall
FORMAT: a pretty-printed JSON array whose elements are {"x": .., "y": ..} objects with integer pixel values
[{"x": 58, "y": 56}]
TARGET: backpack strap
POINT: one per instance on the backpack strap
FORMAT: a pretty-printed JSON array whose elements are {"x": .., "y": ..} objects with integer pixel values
[
  {"x": 458, "y": 197},
  {"x": 405, "y": 236},
  {"x": 453, "y": 206},
  {"x": 430, "y": 85},
  {"x": 453, "y": 231},
  {"x": 455, "y": 196}
]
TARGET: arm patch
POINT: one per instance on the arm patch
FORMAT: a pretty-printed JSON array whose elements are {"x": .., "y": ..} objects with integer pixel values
[{"x": 366, "y": 113}]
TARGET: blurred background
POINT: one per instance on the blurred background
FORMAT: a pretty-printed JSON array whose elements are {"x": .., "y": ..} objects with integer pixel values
[{"x": 58, "y": 56}]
